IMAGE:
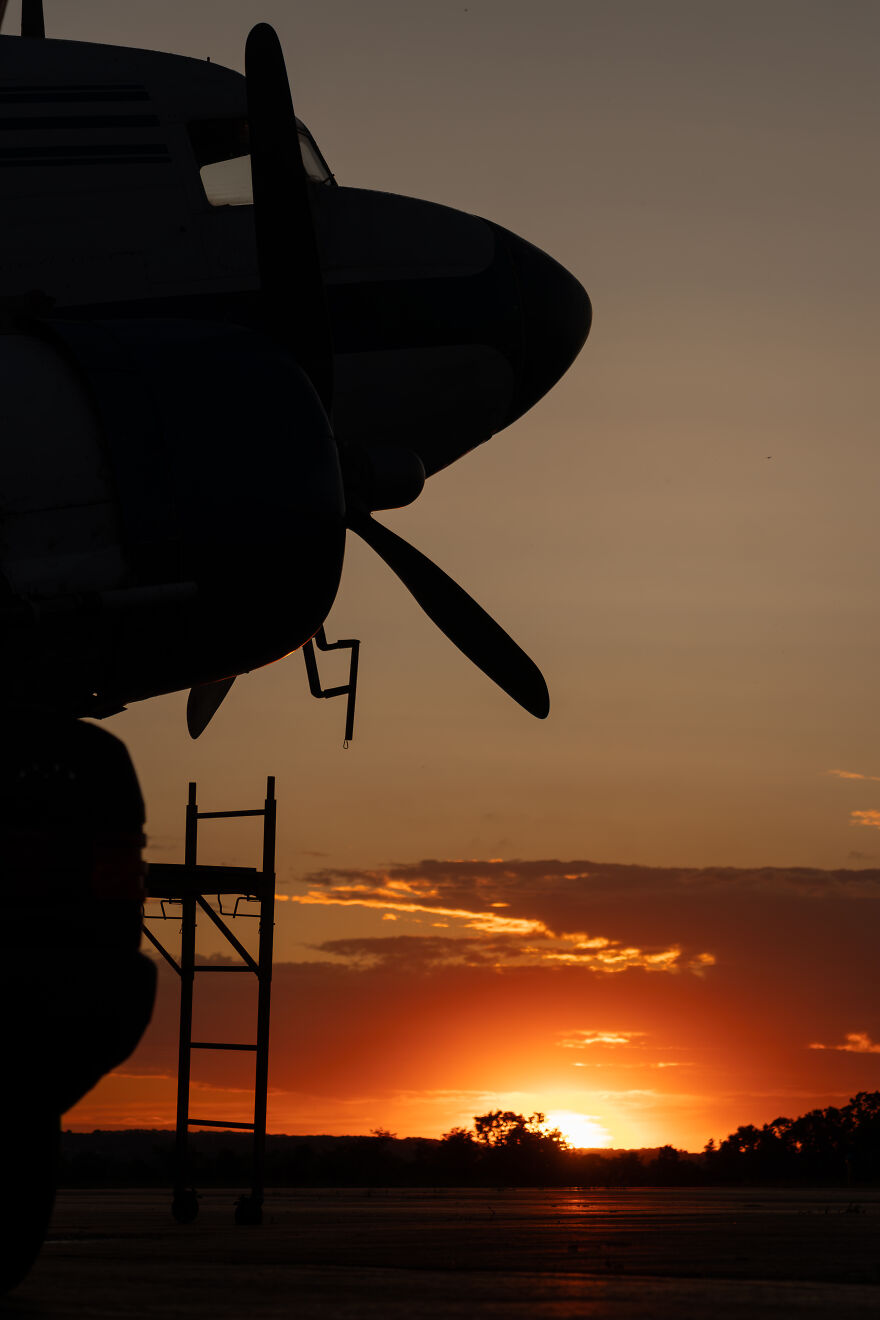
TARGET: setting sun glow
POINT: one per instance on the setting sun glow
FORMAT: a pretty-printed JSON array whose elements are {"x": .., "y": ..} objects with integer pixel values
[{"x": 579, "y": 1130}]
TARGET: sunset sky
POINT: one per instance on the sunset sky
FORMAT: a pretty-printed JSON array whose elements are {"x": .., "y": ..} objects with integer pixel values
[{"x": 659, "y": 907}]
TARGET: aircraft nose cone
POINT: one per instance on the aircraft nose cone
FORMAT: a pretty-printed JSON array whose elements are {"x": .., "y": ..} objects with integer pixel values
[{"x": 555, "y": 315}]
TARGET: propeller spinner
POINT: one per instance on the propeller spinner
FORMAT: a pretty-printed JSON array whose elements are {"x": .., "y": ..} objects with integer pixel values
[{"x": 295, "y": 313}]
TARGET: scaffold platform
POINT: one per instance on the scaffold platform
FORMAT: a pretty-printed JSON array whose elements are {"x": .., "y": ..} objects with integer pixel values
[{"x": 186, "y": 889}]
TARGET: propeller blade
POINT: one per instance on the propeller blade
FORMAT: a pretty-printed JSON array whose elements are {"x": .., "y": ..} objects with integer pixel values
[
  {"x": 202, "y": 704},
  {"x": 465, "y": 623},
  {"x": 287, "y": 250}
]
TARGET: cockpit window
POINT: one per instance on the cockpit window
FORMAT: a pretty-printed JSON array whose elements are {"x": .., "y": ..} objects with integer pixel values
[{"x": 221, "y": 149}]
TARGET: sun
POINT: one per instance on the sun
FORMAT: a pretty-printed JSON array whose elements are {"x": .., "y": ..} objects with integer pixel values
[{"x": 579, "y": 1130}]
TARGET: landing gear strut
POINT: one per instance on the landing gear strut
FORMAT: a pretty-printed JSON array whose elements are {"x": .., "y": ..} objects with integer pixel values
[{"x": 76, "y": 993}]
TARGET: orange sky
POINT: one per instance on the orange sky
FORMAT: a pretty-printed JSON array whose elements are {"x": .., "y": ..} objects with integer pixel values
[
  {"x": 669, "y": 1006},
  {"x": 683, "y": 535}
]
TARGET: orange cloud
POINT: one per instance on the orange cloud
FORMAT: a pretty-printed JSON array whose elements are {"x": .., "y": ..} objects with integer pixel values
[
  {"x": 855, "y": 1042},
  {"x": 472, "y": 885},
  {"x": 578, "y": 1040},
  {"x": 561, "y": 896},
  {"x": 619, "y": 959},
  {"x": 485, "y": 921},
  {"x": 870, "y": 818},
  {"x": 853, "y": 774},
  {"x": 599, "y": 954}
]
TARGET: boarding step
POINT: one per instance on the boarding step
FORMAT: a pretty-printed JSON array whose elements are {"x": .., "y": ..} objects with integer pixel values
[
  {"x": 218, "y": 1123},
  {"x": 217, "y": 1045}
]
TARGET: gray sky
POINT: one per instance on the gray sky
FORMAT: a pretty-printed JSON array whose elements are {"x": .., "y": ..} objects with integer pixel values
[{"x": 683, "y": 534}]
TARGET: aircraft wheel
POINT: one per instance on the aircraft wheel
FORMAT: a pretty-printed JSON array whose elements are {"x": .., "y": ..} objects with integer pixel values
[
  {"x": 30, "y": 1169},
  {"x": 185, "y": 1206}
]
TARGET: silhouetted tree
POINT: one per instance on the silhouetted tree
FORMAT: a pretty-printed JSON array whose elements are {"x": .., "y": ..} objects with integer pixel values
[
  {"x": 823, "y": 1146},
  {"x": 517, "y": 1149},
  {"x": 458, "y": 1156},
  {"x": 503, "y": 1127},
  {"x": 833, "y": 1146}
]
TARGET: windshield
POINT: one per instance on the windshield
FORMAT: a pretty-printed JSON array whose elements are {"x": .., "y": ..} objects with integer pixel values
[{"x": 221, "y": 149}]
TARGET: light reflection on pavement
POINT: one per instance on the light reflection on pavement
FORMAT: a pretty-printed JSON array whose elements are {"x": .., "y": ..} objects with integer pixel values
[{"x": 478, "y": 1253}]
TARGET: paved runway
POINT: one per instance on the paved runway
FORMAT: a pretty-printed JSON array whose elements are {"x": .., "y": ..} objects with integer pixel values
[{"x": 623, "y": 1254}]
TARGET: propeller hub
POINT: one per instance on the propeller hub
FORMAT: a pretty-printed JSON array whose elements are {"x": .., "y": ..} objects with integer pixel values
[{"x": 381, "y": 476}]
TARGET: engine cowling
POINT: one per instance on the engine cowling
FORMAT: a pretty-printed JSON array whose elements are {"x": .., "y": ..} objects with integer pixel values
[{"x": 171, "y": 508}]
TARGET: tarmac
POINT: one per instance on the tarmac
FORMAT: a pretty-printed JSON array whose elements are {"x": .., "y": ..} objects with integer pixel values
[{"x": 476, "y": 1253}]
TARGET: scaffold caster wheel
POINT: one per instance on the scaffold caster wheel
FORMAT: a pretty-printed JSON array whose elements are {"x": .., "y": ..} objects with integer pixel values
[
  {"x": 185, "y": 1206},
  {"x": 248, "y": 1210}
]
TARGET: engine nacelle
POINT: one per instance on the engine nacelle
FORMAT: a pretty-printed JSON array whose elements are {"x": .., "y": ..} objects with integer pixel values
[{"x": 171, "y": 508}]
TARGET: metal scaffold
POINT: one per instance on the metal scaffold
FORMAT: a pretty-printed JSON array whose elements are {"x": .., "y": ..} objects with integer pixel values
[{"x": 189, "y": 887}]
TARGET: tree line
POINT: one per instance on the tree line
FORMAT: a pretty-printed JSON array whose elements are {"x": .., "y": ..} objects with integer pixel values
[
  {"x": 835, "y": 1146},
  {"x": 502, "y": 1148}
]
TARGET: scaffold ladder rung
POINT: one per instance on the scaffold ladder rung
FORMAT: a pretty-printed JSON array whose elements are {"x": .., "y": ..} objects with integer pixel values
[
  {"x": 215, "y": 967},
  {"x": 217, "y": 1045},
  {"x": 218, "y": 1123}
]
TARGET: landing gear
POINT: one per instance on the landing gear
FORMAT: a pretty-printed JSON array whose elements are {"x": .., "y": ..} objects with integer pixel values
[
  {"x": 28, "y": 1190},
  {"x": 76, "y": 993}
]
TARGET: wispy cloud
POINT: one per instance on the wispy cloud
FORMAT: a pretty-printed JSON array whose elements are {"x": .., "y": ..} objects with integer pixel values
[
  {"x": 854, "y": 774},
  {"x": 855, "y": 1042},
  {"x": 551, "y": 891},
  {"x": 421, "y": 952},
  {"x": 578, "y": 1040},
  {"x": 500, "y": 950},
  {"x": 489, "y": 922},
  {"x": 464, "y": 896},
  {"x": 598, "y": 916},
  {"x": 870, "y": 818},
  {"x": 619, "y": 958}
]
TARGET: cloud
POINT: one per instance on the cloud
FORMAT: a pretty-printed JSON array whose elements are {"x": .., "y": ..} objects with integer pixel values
[
  {"x": 591, "y": 916},
  {"x": 578, "y": 1040},
  {"x": 465, "y": 895},
  {"x": 348, "y": 896},
  {"x": 421, "y": 952},
  {"x": 545, "y": 978},
  {"x": 853, "y": 774},
  {"x": 618, "y": 958},
  {"x": 426, "y": 952},
  {"x": 556, "y": 894},
  {"x": 421, "y": 1013},
  {"x": 869, "y": 818},
  {"x": 855, "y": 1042}
]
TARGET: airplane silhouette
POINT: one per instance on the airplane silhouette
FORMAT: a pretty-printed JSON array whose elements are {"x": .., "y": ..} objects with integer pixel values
[{"x": 215, "y": 362}]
